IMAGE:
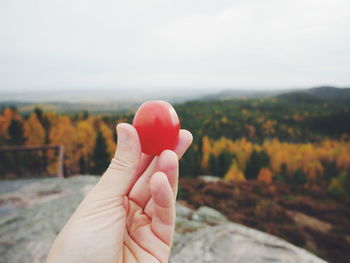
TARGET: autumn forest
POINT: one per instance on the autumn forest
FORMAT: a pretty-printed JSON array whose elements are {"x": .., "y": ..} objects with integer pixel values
[
  {"x": 293, "y": 139},
  {"x": 274, "y": 155}
]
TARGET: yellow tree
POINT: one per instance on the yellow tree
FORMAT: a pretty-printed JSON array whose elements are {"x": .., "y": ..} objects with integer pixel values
[
  {"x": 206, "y": 150},
  {"x": 108, "y": 135},
  {"x": 52, "y": 118},
  {"x": 34, "y": 131},
  {"x": 243, "y": 152},
  {"x": 313, "y": 169},
  {"x": 234, "y": 173},
  {"x": 85, "y": 140},
  {"x": 62, "y": 132}
]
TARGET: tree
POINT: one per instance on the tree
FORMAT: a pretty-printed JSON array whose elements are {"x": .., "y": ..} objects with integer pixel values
[
  {"x": 5, "y": 120},
  {"x": 34, "y": 131},
  {"x": 340, "y": 186},
  {"x": 189, "y": 165},
  {"x": 15, "y": 132},
  {"x": 39, "y": 114},
  {"x": 282, "y": 176},
  {"x": 234, "y": 173},
  {"x": 219, "y": 165},
  {"x": 206, "y": 150},
  {"x": 85, "y": 142},
  {"x": 45, "y": 122},
  {"x": 100, "y": 154},
  {"x": 108, "y": 135},
  {"x": 298, "y": 178},
  {"x": 258, "y": 160},
  {"x": 62, "y": 132},
  {"x": 265, "y": 175},
  {"x": 11, "y": 135}
]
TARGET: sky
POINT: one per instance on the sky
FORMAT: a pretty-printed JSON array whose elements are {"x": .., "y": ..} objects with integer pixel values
[{"x": 161, "y": 44}]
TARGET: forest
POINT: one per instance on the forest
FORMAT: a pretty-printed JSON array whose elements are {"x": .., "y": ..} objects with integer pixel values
[
  {"x": 283, "y": 162},
  {"x": 295, "y": 139}
]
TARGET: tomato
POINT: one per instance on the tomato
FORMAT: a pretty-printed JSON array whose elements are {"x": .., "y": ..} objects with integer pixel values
[{"x": 158, "y": 126}]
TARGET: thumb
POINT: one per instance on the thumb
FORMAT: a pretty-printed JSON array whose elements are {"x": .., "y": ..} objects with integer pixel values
[{"x": 125, "y": 163}]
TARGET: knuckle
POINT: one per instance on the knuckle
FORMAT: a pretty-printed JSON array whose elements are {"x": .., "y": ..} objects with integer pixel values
[{"x": 124, "y": 165}]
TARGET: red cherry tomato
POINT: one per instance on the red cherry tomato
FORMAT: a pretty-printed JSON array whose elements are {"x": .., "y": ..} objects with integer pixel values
[{"x": 158, "y": 126}]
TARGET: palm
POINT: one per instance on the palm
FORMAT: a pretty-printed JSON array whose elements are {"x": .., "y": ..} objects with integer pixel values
[{"x": 138, "y": 236}]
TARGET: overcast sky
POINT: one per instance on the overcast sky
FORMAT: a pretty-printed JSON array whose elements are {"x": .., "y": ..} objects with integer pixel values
[{"x": 51, "y": 44}]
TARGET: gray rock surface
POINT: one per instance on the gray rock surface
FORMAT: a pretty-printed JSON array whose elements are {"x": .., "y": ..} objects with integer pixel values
[
  {"x": 208, "y": 215},
  {"x": 231, "y": 242},
  {"x": 33, "y": 214}
]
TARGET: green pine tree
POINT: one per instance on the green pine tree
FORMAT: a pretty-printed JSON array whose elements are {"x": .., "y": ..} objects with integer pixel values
[
  {"x": 299, "y": 178},
  {"x": 218, "y": 166},
  {"x": 15, "y": 132},
  {"x": 189, "y": 165},
  {"x": 257, "y": 161},
  {"x": 100, "y": 155}
]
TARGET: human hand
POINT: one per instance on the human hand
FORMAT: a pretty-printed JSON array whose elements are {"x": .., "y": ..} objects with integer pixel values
[{"x": 129, "y": 216}]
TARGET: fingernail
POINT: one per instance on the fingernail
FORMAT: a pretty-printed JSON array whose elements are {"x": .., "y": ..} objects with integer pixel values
[{"x": 122, "y": 135}]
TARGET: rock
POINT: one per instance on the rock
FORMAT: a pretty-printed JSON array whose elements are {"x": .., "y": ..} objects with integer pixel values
[
  {"x": 183, "y": 211},
  {"x": 208, "y": 215},
  {"x": 209, "y": 178},
  {"x": 185, "y": 225},
  {"x": 26, "y": 234},
  {"x": 231, "y": 242},
  {"x": 36, "y": 212}
]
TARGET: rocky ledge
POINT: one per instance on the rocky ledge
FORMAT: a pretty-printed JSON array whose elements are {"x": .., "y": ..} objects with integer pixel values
[{"x": 32, "y": 213}]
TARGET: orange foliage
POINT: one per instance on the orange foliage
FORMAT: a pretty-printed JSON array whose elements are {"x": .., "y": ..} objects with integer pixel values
[
  {"x": 307, "y": 157},
  {"x": 62, "y": 132},
  {"x": 34, "y": 131},
  {"x": 265, "y": 175}
]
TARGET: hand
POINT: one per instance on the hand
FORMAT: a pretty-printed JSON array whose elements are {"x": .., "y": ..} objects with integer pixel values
[{"x": 129, "y": 215}]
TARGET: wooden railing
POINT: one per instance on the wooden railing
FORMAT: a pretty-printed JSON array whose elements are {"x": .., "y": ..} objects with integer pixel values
[{"x": 43, "y": 149}]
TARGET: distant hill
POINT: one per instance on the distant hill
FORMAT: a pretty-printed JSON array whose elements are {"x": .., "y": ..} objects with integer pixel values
[
  {"x": 240, "y": 94},
  {"x": 97, "y": 101},
  {"x": 318, "y": 94},
  {"x": 108, "y": 101},
  {"x": 13, "y": 103},
  {"x": 328, "y": 92},
  {"x": 314, "y": 94}
]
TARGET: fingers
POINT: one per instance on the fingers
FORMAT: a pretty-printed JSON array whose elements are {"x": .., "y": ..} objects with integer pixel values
[
  {"x": 125, "y": 163},
  {"x": 155, "y": 235},
  {"x": 168, "y": 164},
  {"x": 163, "y": 219},
  {"x": 185, "y": 141}
]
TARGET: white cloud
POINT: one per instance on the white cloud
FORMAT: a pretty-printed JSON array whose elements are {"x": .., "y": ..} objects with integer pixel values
[{"x": 275, "y": 43}]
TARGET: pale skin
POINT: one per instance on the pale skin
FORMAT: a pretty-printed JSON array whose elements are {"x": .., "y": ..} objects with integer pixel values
[{"x": 129, "y": 215}]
